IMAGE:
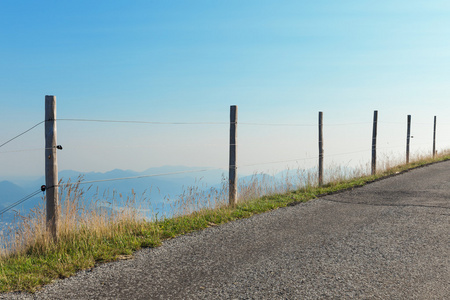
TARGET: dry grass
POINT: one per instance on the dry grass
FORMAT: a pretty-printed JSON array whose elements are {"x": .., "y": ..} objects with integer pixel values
[
  {"x": 78, "y": 220},
  {"x": 199, "y": 196}
]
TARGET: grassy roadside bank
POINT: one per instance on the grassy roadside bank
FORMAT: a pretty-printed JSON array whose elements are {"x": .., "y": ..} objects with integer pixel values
[{"x": 42, "y": 261}]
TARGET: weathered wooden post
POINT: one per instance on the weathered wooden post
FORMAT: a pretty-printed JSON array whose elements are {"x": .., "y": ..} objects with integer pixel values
[
  {"x": 374, "y": 142},
  {"x": 51, "y": 167},
  {"x": 408, "y": 138},
  {"x": 434, "y": 137},
  {"x": 320, "y": 148},
  {"x": 232, "y": 177}
]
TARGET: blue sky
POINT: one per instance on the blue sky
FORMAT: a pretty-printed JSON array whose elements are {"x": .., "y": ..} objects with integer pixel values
[{"x": 188, "y": 61}]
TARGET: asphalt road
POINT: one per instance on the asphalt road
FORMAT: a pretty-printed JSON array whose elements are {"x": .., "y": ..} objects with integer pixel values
[{"x": 387, "y": 240}]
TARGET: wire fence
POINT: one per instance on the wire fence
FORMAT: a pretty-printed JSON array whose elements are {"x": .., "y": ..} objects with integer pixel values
[{"x": 243, "y": 165}]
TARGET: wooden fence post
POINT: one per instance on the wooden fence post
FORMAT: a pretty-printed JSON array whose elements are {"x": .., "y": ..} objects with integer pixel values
[
  {"x": 51, "y": 167},
  {"x": 232, "y": 177},
  {"x": 408, "y": 138},
  {"x": 374, "y": 142},
  {"x": 320, "y": 148},
  {"x": 434, "y": 137}
]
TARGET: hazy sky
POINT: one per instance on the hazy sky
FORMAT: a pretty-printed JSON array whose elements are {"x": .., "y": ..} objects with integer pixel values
[{"x": 188, "y": 61}]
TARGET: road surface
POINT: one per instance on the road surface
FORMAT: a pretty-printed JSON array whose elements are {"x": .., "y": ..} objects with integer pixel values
[{"x": 387, "y": 240}]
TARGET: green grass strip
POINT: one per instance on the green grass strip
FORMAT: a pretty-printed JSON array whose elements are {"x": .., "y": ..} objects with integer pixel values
[{"x": 77, "y": 251}]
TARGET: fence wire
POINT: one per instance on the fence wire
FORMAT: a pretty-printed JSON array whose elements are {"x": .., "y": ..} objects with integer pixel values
[
  {"x": 9, "y": 207},
  {"x": 19, "y": 135}
]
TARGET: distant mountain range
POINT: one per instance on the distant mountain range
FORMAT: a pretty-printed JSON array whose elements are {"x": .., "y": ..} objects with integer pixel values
[
  {"x": 10, "y": 193},
  {"x": 157, "y": 191}
]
